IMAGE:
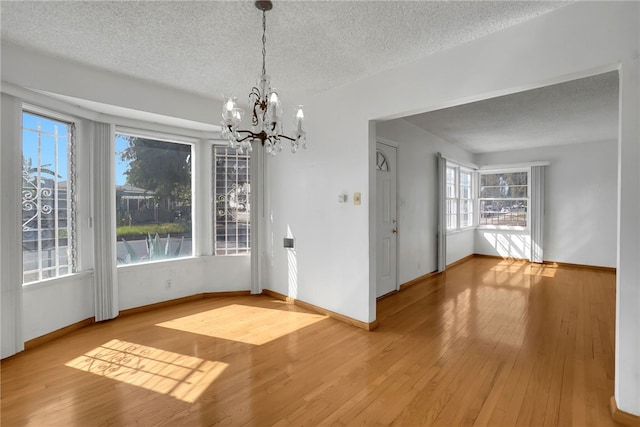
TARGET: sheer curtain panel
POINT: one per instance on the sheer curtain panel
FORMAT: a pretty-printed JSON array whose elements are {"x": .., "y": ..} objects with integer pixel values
[
  {"x": 105, "y": 273},
  {"x": 442, "y": 213}
]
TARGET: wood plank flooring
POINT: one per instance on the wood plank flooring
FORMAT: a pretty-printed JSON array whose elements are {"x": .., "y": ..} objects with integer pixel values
[{"x": 491, "y": 342}]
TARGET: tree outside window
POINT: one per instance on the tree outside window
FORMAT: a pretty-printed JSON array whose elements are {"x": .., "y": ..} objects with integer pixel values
[{"x": 153, "y": 199}]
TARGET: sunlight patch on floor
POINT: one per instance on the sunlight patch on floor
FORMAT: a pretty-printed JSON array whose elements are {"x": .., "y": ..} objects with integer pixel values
[
  {"x": 541, "y": 270},
  {"x": 244, "y": 323},
  {"x": 508, "y": 266},
  {"x": 177, "y": 375}
]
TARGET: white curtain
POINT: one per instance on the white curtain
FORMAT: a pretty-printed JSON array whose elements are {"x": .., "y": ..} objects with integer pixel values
[
  {"x": 10, "y": 227},
  {"x": 257, "y": 218},
  {"x": 536, "y": 213},
  {"x": 104, "y": 272},
  {"x": 442, "y": 213}
]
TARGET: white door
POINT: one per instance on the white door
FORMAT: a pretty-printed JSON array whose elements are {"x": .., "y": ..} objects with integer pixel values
[{"x": 387, "y": 226}]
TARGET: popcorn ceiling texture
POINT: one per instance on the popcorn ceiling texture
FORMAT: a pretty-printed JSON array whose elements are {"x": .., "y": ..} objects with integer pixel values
[
  {"x": 207, "y": 47},
  {"x": 579, "y": 111}
]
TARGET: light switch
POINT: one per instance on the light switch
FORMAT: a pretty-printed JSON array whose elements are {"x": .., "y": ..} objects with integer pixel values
[{"x": 356, "y": 198}]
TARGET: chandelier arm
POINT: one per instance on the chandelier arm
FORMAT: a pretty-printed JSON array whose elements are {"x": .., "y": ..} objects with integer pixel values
[
  {"x": 286, "y": 137},
  {"x": 255, "y": 97},
  {"x": 249, "y": 135},
  {"x": 260, "y": 135}
]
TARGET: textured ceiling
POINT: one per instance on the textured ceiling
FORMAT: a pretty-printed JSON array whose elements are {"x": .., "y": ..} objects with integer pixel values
[
  {"x": 208, "y": 47},
  {"x": 583, "y": 110}
]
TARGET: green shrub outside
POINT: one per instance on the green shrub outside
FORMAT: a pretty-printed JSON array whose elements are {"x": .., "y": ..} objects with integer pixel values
[{"x": 135, "y": 232}]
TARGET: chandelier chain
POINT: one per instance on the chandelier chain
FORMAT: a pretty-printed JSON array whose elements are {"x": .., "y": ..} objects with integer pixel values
[{"x": 264, "y": 41}]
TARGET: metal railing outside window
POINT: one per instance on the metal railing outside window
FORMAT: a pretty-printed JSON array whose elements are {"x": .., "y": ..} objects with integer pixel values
[
  {"x": 232, "y": 190},
  {"x": 504, "y": 199}
]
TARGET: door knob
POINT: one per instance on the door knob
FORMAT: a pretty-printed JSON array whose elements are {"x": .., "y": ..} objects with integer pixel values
[{"x": 395, "y": 230}]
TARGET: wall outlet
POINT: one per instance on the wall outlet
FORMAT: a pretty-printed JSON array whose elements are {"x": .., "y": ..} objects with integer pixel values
[
  {"x": 168, "y": 283},
  {"x": 356, "y": 198},
  {"x": 288, "y": 243}
]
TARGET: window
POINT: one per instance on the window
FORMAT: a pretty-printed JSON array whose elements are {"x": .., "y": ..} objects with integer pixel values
[
  {"x": 232, "y": 190},
  {"x": 504, "y": 198},
  {"x": 466, "y": 200},
  {"x": 153, "y": 199},
  {"x": 381, "y": 161},
  {"x": 48, "y": 205},
  {"x": 452, "y": 198},
  {"x": 459, "y": 198}
]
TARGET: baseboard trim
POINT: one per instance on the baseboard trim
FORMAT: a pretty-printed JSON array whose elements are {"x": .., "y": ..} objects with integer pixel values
[
  {"x": 420, "y": 279},
  {"x": 226, "y": 294},
  {"x": 434, "y": 273},
  {"x": 621, "y": 416},
  {"x": 157, "y": 305},
  {"x": 579, "y": 266},
  {"x": 461, "y": 261},
  {"x": 499, "y": 257},
  {"x": 169, "y": 303},
  {"x": 35, "y": 342},
  {"x": 341, "y": 317},
  {"x": 547, "y": 263}
]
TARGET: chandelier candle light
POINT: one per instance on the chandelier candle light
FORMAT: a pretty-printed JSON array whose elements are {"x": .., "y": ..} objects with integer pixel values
[{"x": 266, "y": 112}]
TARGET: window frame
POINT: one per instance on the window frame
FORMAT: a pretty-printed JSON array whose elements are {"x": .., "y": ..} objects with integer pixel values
[
  {"x": 171, "y": 139},
  {"x": 226, "y": 251},
  {"x": 479, "y": 199},
  {"x": 451, "y": 199},
  {"x": 71, "y": 190},
  {"x": 458, "y": 198}
]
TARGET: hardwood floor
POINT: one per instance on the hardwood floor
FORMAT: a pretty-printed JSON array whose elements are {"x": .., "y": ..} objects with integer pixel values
[{"x": 491, "y": 342}]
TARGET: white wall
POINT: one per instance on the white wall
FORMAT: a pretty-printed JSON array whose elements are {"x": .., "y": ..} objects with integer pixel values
[
  {"x": 578, "y": 40},
  {"x": 56, "y": 303},
  {"x": 502, "y": 243},
  {"x": 303, "y": 202},
  {"x": 417, "y": 198},
  {"x": 64, "y": 77},
  {"x": 145, "y": 284},
  {"x": 460, "y": 244},
  {"x": 580, "y": 203}
]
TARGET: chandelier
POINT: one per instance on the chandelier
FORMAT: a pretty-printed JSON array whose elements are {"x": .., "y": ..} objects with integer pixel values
[{"x": 266, "y": 111}]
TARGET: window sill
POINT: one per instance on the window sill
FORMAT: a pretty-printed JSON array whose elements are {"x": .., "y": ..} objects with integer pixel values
[
  {"x": 159, "y": 261},
  {"x": 502, "y": 228},
  {"x": 461, "y": 230},
  {"x": 54, "y": 281}
]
